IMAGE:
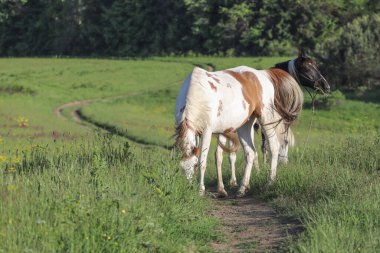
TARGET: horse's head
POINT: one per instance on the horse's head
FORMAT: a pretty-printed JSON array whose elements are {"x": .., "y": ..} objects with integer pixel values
[
  {"x": 308, "y": 74},
  {"x": 187, "y": 142},
  {"x": 189, "y": 163}
]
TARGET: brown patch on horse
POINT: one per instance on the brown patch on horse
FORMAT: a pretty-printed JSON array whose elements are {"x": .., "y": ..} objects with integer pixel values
[
  {"x": 228, "y": 130},
  {"x": 288, "y": 97},
  {"x": 213, "y": 86},
  {"x": 216, "y": 79},
  {"x": 220, "y": 107},
  {"x": 252, "y": 90}
]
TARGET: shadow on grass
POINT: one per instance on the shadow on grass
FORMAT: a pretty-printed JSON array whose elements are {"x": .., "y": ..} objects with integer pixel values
[{"x": 116, "y": 131}]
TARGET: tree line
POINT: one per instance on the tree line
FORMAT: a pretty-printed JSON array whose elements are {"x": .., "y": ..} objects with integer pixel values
[{"x": 141, "y": 28}]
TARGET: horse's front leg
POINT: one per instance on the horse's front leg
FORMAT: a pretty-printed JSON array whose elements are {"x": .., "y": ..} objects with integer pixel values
[
  {"x": 206, "y": 140},
  {"x": 246, "y": 136}
]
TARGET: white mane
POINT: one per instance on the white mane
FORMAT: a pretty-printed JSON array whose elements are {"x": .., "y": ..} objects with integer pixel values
[{"x": 198, "y": 103}]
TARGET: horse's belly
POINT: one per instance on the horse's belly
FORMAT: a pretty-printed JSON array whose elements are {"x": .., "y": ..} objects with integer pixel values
[{"x": 233, "y": 111}]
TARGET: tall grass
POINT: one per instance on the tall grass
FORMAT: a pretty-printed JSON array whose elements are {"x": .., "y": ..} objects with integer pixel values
[
  {"x": 98, "y": 196},
  {"x": 334, "y": 189}
]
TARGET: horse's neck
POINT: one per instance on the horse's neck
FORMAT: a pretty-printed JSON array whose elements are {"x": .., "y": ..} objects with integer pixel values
[
  {"x": 283, "y": 66},
  {"x": 289, "y": 67}
]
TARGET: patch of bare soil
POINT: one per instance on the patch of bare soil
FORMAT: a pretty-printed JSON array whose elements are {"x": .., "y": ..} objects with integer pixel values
[{"x": 252, "y": 225}]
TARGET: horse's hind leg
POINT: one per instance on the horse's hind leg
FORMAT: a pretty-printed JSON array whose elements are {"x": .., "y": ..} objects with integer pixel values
[
  {"x": 246, "y": 135},
  {"x": 218, "y": 160},
  {"x": 231, "y": 157},
  {"x": 232, "y": 160}
]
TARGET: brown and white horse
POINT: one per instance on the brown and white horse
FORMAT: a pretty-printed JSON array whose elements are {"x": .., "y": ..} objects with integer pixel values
[{"x": 232, "y": 100}]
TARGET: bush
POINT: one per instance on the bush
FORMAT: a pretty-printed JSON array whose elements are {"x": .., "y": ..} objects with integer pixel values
[{"x": 351, "y": 57}]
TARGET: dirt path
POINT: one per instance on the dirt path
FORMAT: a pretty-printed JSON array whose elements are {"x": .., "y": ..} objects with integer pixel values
[
  {"x": 252, "y": 225},
  {"x": 249, "y": 224}
]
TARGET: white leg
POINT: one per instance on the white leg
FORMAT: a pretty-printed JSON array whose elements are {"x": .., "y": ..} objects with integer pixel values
[
  {"x": 271, "y": 138},
  {"x": 256, "y": 156},
  {"x": 283, "y": 153},
  {"x": 206, "y": 140},
  {"x": 219, "y": 160},
  {"x": 246, "y": 138},
  {"x": 232, "y": 159}
]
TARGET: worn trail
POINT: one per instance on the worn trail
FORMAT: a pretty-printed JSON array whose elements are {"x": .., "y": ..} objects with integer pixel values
[{"x": 252, "y": 225}]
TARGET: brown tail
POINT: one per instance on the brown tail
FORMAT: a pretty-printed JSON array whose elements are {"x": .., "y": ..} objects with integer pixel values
[{"x": 234, "y": 140}]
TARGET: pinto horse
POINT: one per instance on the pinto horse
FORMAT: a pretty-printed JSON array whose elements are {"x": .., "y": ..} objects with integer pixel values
[{"x": 232, "y": 100}]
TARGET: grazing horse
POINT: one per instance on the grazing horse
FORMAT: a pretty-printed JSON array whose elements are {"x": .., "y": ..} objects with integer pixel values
[
  {"x": 286, "y": 139},
  {"x": 232, "y": 100}
]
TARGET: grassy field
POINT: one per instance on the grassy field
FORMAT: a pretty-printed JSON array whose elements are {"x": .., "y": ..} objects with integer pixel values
[{"x": 66, "y": 187}]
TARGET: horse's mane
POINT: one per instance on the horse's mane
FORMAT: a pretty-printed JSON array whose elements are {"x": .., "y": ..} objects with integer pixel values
[
  {"x": 196, "y": 115},
  {"x": 288, "y": 96},
  {"x": 180, "y": 135},
  {"x": 284, "y": 134},
  {"x": 198, "y": 109}
]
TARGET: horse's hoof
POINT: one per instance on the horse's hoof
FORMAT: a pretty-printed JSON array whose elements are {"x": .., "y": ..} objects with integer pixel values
[
  {"x": 233, "y": 183},
  {"x": 222, "y": 194},
  {"x": 242, "y": 192},
  {"x": 201, "y": 192}
]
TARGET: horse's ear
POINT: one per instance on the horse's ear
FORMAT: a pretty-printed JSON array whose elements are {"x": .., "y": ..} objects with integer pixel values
[{"x": 301, "y": 53}]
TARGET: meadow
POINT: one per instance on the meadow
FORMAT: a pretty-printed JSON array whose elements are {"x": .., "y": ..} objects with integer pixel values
[{"x": 113, "y": 184}]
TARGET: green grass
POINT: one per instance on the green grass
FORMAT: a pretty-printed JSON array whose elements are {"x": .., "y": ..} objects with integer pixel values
[
  {"x": 65, "y": 188},
  {"x": 99, "y": 196}
]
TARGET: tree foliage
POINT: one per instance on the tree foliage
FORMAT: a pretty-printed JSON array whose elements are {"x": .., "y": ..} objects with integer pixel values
[
  {"x": 352, "y": 56},
  {"x": 139, "y": 28}
]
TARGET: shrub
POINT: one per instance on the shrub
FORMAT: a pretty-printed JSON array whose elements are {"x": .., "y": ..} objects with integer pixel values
[{"x": 351, "y": 57}]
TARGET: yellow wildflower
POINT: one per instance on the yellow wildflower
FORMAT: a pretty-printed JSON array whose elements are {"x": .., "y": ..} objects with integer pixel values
[
  {"x": 11, "y": 170},
  {"x": 12, "y": 187},
  {"x": 124, "y": 211},
  {"x": 16, "y": 160},
  {"x": 22, "y": 122},
  {"x": 3, "y": 159}
]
